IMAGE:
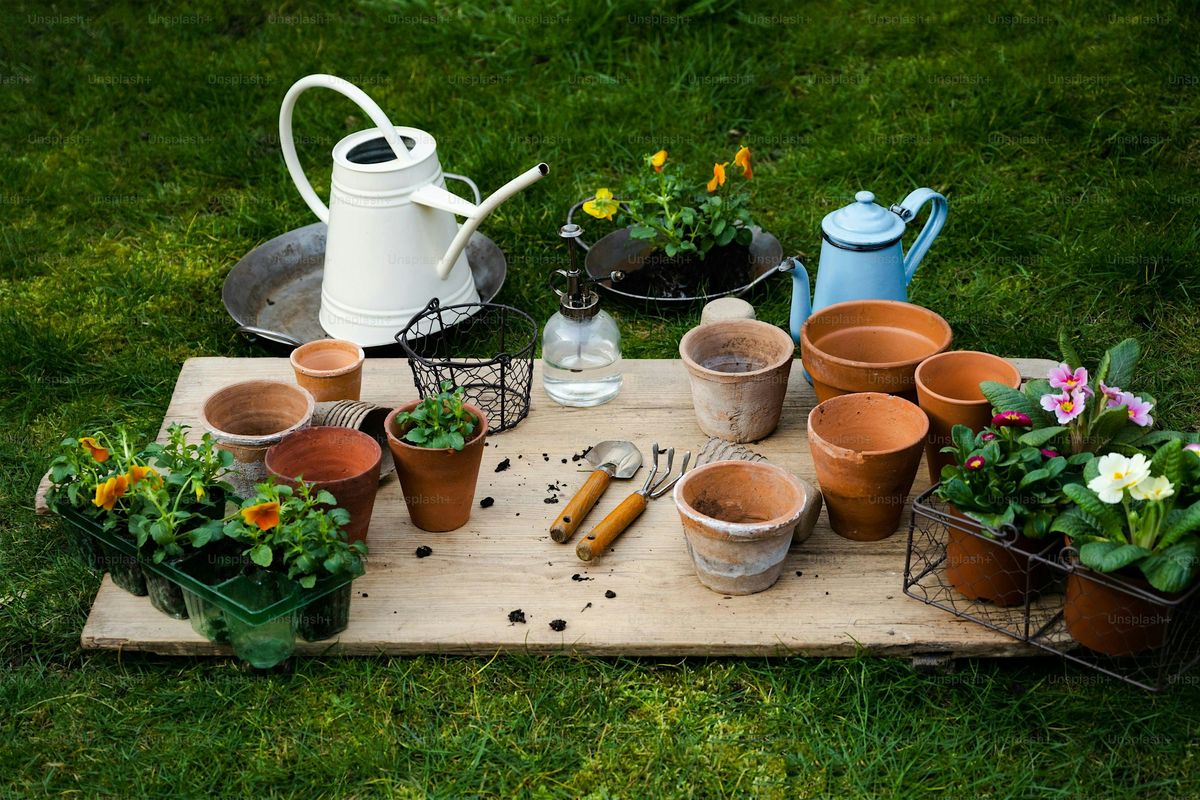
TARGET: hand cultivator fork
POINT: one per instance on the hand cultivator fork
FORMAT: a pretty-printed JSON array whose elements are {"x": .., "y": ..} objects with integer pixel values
[{"x": 632, "y": 507}]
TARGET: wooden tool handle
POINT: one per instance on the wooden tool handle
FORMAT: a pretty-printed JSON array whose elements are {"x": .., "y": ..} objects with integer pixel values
[
  {"x": 611, "y": 527},
  {"x": 584, "y": 500}
]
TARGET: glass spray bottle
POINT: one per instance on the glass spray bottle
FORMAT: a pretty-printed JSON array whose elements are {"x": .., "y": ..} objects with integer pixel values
[{"x": 581, "y": 344}]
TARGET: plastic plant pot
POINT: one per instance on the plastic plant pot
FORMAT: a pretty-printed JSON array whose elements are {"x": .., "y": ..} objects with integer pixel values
[
  {"x": 265, "y": 644},
  {"x": 85, "y": 548},
  {"x": 125, "y": 570},
  {"x": 326, "y": 616},
  {"x": 166, "y": 595},
  {"x": 211, "y": 567}
]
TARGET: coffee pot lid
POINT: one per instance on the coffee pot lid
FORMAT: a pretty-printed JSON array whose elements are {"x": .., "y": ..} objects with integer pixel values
[{"x": 862, "y": 223}]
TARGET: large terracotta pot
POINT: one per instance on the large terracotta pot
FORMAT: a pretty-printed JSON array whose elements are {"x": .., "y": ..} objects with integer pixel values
[
  {"x": 330, "y": 369},
  {"x": 739, "y": 519},
  {"x": 870, "y": 346},
  {"x": 1112, "y": 619},
  {"x": 343, "y": 461},
  {"x": 866, "y": 448},
  {"x": 438, "y": 485},
  {"x": 948, "y": 391},
  {"x": 739, "y": 374},
  {"x": 249, "y": 418},
  {"x": 984, "y": 569}
]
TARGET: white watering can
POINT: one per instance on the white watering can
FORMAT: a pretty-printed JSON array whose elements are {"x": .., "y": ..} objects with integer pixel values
[{"x": 393, "y": 243}]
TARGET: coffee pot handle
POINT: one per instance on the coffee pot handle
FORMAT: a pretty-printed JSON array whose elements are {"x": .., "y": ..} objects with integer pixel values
[
  {"x": 907, "y": 210},
  {"x": 359, "y": 98}
]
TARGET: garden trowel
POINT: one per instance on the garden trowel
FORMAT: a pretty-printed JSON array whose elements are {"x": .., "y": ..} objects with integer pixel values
[{"x": 613, "y": 459}]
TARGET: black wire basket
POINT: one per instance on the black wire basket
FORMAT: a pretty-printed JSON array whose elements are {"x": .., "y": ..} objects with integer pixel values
[
  {"x": 1039, "y": 593},
  {"x": 484, "y": 348}
]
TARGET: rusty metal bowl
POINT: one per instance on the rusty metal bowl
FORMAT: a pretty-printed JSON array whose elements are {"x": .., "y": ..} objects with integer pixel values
[
  {"x": 619, "y": 252},
  {"x": 274, "y": 292}
]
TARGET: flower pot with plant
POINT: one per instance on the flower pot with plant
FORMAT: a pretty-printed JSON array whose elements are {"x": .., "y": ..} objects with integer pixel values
[
  {"x": 437, "y": 444},
  {"x": 91, "y": 478},
  {"x": 682, "y": 238},
  {"x": 1137, "y": 545},
  {"x": 300, "y": 534},
  {"x": 1005, "y": 495}
]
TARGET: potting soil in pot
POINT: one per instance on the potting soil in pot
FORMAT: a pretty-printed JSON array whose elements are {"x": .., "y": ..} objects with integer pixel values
[
  {"x": 724, "y": 269},
  {"x": 326, "y": 616}
]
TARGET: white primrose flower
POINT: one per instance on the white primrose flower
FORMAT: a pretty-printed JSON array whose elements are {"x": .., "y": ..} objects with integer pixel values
[
  {"x": 1118, "y": 473},
  {"x": 1155, "y": 489}
]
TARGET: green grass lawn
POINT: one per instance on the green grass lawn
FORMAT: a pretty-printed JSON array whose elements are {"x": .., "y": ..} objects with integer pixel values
[{"x": 140, "y": 161}]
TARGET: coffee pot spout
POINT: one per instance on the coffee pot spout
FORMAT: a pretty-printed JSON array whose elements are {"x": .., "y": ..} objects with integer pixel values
[{"x": 437, "y": 197}]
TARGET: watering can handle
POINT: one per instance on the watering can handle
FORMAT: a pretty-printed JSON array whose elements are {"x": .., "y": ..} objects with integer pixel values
[
  {"x": 357, "y": 96},
  {"x": 907, "y": 210}
]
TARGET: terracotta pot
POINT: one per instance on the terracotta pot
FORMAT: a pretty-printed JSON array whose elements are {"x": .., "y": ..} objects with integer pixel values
[
  {"x": 870, "y": 346},
  {"x": 330, "y": 369},
  {"x": 866, "y": 448},
  {"x": 1112, "y": 619},
  {"x": 984, "y": 569},
  {"x": 438, "y": 485},
  {"x": 365, "y": 417},
  {"x": 739, "y": 373},
  {"x": 948, "y": 391},
  {"x": 739, "y": 519},
  {"x": 248, "y": 418},
  {"x": 341, "y": 460}
]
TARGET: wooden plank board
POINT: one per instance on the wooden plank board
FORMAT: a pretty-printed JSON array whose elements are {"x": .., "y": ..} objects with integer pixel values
[{"x": 836, "y": 597}]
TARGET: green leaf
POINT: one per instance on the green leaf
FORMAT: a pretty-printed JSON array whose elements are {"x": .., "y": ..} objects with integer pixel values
[
  {"x": 1006, "y": 398},
  {"x": 1168, "y": 462},
  {"x": 744, "y": 236},
  {"x": 1179, "y": 523},
  {"x": 670, "y": 249},
  {"x": 1101, "y": 375},
  {"x": 1123, "y": 358},
  {"x": 963, "y": 437},
  {"x": 1076, "y": 524},
  {"x": 642, "y": 232},
  {"x": 1172, "y": 570},
  {"x": 1039, "y": 437},
  {"x": 261, "y": 554},
  {"x": 726, "y": 236},
  {"x": 1106, "y": 426},
  {"x": 1110, "y": 523},
  {"x": 1033, "y": 476},
  {"x": 1068, "y": 350},
  {"x": 308, "y": 581},
  {"x": 1110, "y": 556}
]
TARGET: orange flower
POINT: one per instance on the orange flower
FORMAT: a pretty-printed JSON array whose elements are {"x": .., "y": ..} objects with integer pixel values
[
  {"x": 742, "y": 159},
  {"x": 264, "y": 515},
  {"x": 658, "y": 159},
  {"x": 139, "y": 473},
  {"x": 93, "y": 447},
  {"x": 718, "y": 178},
  {"x": 109, "y": 492}
]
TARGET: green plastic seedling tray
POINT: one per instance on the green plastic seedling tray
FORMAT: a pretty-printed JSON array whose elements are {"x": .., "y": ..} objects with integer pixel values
[{"x": 212, "y": 592}]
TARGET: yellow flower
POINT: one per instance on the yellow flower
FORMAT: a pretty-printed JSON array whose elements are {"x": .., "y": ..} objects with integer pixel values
[
  {"x": 602, "y": 206},
  {"x": 109, "y": 492},
  {"x": 658, "y": 159},
  {"x": 718, "y": 178},
  {"x": 742, "y": 159},
  {"x": 139, "y": 473},
  {"x": 199, "y": 491},
  {"x": 93, "y": 447},
  {"x": 264, "y": 515}
]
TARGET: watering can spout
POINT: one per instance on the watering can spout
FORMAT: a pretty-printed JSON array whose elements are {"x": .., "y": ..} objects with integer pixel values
[
  {"x": 437, "y": 197},
  {"x": 801, "y": 295}
]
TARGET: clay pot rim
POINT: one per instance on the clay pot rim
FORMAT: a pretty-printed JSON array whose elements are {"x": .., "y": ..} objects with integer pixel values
[
  {"x": 744, "y": 531},
  {"x": 319, "y": 344},
  {"x": 315, "y": 431},
  {"x": 730, "y": 377},
  {"x": 876, "y": 365},
  {"x": 395, "y": 441},
  {"x": 949, "y": 353},
  {"x": 1132, "y": 583},
  {"x": 839, "y": 452},
  {"x": 253, "y": 387}
]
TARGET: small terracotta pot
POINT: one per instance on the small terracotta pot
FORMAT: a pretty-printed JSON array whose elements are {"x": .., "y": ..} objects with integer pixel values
[
  {"x": 866, "y": 448},
  {"x": 248, "y": 418},
  {"x": 341, "y": 460},
  {"x": 739, "y": 519},
  {"x": 330, "y": 369},
  {"x": 438, "y": 485},
  {"x": 739, "y": 374},
  {"x": 948, "y": 391},
  {"x": 365, "y": 417},
  {"x": 1111, "y": 620},
  {"x": 870, "y": 346},
  {"x": 984, "y": 569}
]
